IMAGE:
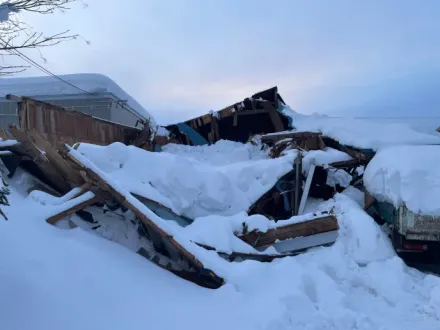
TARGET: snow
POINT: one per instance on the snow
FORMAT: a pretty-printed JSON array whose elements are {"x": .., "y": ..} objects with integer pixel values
[
  {"x": 323, "y": 157},
  {"x": 223, "y": 152},
  {"x": 52, "y": 278},
  {"x": 338, "y": 176},
  {"x": 50, "y": 86},
  {"x": 162, "y": 131},
  {"x": 361, "y": 133},
  {"x": 406, "y": 175},
  {"x": 7, "y": 143},
  {"x": 185, "y": 185},
  {"x": 219, "y": 231}
]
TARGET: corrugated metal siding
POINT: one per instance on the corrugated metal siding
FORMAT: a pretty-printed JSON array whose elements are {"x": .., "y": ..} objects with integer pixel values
[{"x": 8, "y": 114}]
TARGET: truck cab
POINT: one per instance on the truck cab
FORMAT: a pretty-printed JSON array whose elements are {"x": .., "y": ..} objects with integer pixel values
[{"x": 415, "y": 237}]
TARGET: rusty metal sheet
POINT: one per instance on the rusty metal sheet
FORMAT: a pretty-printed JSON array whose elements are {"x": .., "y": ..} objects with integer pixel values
[{"x": 60, "y": 126}]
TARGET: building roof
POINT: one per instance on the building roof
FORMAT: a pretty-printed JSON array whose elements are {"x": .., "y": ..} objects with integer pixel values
[{"x": 89, "y": 82}]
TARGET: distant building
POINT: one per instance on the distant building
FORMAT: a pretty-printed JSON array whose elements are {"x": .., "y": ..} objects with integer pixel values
[{"x": 93, "y": 94}]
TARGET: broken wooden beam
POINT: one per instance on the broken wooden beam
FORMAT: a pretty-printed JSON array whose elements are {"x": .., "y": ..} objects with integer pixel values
[
  {"x": 186, "y": 275},
  {"x": 39, "y": 157},
  {"x": 347, "y": 163},
  {"x": 75, "y": 207},
  {"x": 356, "y": 153},
  {"x": 50, "y": 151},
  {"x": 294, "y": 230},
  {"x": 368, "y": 200},
  {"x": 276, "y": 137}
]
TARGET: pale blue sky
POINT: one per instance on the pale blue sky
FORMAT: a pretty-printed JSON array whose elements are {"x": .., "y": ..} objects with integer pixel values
[{"x": 181, "y": 58}]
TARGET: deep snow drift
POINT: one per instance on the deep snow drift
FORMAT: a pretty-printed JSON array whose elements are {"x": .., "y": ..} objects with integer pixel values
[{"x": 53, "y": 278}]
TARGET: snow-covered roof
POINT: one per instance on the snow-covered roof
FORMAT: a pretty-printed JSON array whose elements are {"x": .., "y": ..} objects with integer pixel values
[
  {"x": 406, "y": 174},
  {"x": 49, "y": 86}
]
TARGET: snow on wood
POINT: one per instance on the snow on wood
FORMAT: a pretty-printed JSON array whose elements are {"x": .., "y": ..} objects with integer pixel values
[
  {"x": 149, "y": 219},
  {"x": 289, "y": 231},
  {"x": 74, "y": 205},
  {"x": 305, "y": 140},
  {"x": 187, "y": 186}
]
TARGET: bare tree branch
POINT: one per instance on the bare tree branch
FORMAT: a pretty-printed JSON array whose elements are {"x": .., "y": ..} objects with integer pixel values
[{"x": 16, "y": 35}]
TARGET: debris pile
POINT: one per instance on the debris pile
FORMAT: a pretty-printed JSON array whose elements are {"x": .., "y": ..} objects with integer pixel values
[{"x": 92, "y": 168}]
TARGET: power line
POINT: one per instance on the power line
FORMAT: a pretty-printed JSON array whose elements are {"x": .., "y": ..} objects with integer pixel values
[
  {"x": 41, "y": 68},
  {"x": 16, "y": 52}
]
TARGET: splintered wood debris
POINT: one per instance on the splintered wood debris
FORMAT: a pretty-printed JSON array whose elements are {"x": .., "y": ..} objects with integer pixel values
[{"x": 81, "y": 184}]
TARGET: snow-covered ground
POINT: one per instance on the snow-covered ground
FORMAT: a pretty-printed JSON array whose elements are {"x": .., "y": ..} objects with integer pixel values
[{"x": 52, "y": 278}]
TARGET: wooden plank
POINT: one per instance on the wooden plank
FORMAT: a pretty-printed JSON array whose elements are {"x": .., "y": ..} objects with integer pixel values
[
  {"x": 347, "y": 163},
  {"x": 59, "y": 125},
  {"x": 251, "y": 112},
  {"x": 63, "y": 167},
  {"x": 235, "y": 119},
  {"x": 368, "y": 200},
  {"x": 298, "y": 183},
  {"x": 39, "y": 158},
  {"x": 186, "y": 275},
  {"x": 274, "y": 138},
  {"x": 305, "y": 194},
  {"x": 275, "y": 117},
  {"x": 74, "y": 208},
  {"x": 353, "y": 152},
  {"x": 307, "y": 228}
]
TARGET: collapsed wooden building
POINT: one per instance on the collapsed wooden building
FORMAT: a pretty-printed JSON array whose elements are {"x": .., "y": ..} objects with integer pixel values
[
  {"x": 44, "y": 131},
  {"x": 259, "y": 114}
]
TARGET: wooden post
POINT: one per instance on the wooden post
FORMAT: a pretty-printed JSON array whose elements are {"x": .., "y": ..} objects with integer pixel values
[{"x": 298, "y": 183}]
